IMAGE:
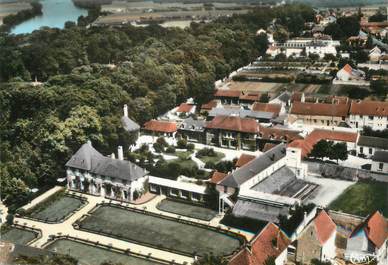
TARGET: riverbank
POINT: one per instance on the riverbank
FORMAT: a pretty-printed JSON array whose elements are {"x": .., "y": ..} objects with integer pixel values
[
  {"x": 12, "y": 20},
  {"x": 7, "y": 9}
]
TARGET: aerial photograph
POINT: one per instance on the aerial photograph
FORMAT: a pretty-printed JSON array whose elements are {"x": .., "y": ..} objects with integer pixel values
[{"x": 193, "y": 132}]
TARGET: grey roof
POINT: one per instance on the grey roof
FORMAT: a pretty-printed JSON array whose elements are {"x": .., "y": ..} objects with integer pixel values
[
  {"x": 370, "y": 141},
  {"x": 254, "y": 167},
  {"x": 380, "y": 156},
  {"x": 243, "y": 113},
  {"x": 129, "y": 125},
  {"x": 285, "y": 96},
  {"x": 88, "y": 158},
  {"x": 190, "y": 124},
  {"x": 258, "y": 211},
  {"x": 276, "y": 181}
]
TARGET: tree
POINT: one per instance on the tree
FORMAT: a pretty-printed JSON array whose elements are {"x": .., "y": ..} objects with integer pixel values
[
  {"x": 321, "y": 149},
  {"x": 54, "y": 259},
  {"x": 339, "y": 151},
  {"x": 210, "y": 259},
  {"x": 281, "y": 34},
  {"x": 379, "y": 87},
  {"x": 270, "y": 260},
  {"x": 377, "y": 17}
]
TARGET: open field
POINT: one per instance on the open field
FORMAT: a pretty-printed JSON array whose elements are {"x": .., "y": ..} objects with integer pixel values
[
  {"x": 17, "y": 235},
  {"x": 56, "y": 209},
  {"x": 186, "y": 209},
  {"x": 12, "y": 8},
  {"x": 363, "y": 198},
  {"x": 88, "y": 254},
  {"x": 160, "y": 232}
]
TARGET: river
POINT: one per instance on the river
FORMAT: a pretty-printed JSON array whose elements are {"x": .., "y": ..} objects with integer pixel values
[{"x": 55, "y": 14}]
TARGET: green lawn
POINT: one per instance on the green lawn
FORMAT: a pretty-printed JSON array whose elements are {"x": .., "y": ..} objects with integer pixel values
[
  {"x": 17, "y": 235},
  {"x": 159, "y": 232},
  {"x": 214, "y": 159},
  {"x": 185, "y": 163},
  {"x": 183, "y": 154},
  {"x": 88, "y": 254},
  {"x": 187, "y": 209},
  {"x": 363, "y": 198}
]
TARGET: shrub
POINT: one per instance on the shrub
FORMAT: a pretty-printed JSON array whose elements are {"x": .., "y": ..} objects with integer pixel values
[
  {"x": 210, "y": 165},
  {"x": 158, "y": 147},
  {"x": 182, "y": 143},
  {"x": 170, "y": 149},
  {"x": 190, "y": 147},
  {"x": 206, "y": 152},
  {"x": 9, "y": 219},
  {"x": 162, "y": 141}
]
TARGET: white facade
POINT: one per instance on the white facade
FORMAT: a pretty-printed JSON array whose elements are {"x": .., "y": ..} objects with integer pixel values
[
  {"x": 282, "y": 258},
  {"x": 328, "y": 248},
  {"x": 379, "y": 166},
  {"x": 375, "y": 122}
]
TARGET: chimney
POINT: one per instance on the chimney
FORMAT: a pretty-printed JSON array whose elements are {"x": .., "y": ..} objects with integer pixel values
[
  {"x": 113, "y": 156},
  {"x": 89, "y": 143},
  {"x": 125, "y": 110},
  {"x": 120, "y": 154},
  {"x": 302, "y": 99}
]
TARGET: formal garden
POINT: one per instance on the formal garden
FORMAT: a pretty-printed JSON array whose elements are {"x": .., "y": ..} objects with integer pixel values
[
  {"x": 187, "y": 209},
  {"x": 56, "y": 208},
  {"x": 87, "y": 253},
  {"x": 363, "y": 198},
  {"x": 17, "y": 235},
  {"x": 157, "y": 231}
]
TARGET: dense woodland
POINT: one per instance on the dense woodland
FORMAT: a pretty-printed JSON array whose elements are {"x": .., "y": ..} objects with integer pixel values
[{"x": 156, "y": 68}]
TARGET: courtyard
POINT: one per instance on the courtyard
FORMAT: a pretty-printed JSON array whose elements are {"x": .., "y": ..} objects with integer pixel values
[
  {"x": 187, "y": 209},
  {"x": 363, "y": 198},
  {"x": 160, "y": 232},
  {"x": 56, "y": 208},
  {"x": 90, "y": 254},
  {"x": 17, "y": 235}
]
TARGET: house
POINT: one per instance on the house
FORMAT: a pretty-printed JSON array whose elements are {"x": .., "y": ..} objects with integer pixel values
[
  {"x": 306, "y": 145},
  {"x": 185, "y": 109},
  {"x": 91, "y": 172},
  {"x": 380, "y": 161},
  {"x": 369, "y": 239},
  {"x": 208, "y": 106},
  {"x": 347, "y": 73},
  {"x": 317, "y": 240},
  {"x": 271, "y": 242},
  {"x": 320, "y": 114},
  {"x": 129, "y": 125},
  {"x": 267, "y": 186},
  {"x": 232, "y": 132},
  {"x": 375, "y": 54},
  {"x": 276, "y": 135},
  {"x": 368, "y": 113},
  {"x": 268, "y": 107},
  {"x": 192, "y": 130},
  {"x": 227, "y": 96},
  {"x": 368, "y": 145},
  {"x": 160, "y": 128}
]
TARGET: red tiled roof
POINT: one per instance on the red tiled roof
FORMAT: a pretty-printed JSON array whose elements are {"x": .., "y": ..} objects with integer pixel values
[
  {"x": 244, "y": 159},
  {"x": 347, "y": 68},
  {"x": 267, "y": 107},
  {"x": 227, "y": 93},
  {"x": 185, "y": 107},
  {"x": 270, "y": 133},
  {"x": 268, "y": 146},
  {"x": 372, "y": 108},
  {"x": 208, "y": 106},
  {"x": 376, "y": 229},
  {"x": 160, "y": 126},
  {"x": 319, "y": 134},
  {"x": 324, "y": 226},
  {"x": 296, "y": 96},
  {"x": 217, "y": 177},
  {"x": 250, "y": 96},
  {"x": 233, "y": 123},
  {"x": 320, "y": 109},
  {"x": 270, "y": 242}
]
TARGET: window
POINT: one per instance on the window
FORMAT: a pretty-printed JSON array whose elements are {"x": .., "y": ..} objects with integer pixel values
[
  {"x": 184, "y": 194},
  {"x": 174, "y": 192},
  {"x": 370, "y": 151},
  {"x": 381, "y": 166},
  {"x": 153, "y": 188},
  {"x": 195, "y": 197},
  {"x": 361, "y": 149},
  {"x": 371, "y": 117}
]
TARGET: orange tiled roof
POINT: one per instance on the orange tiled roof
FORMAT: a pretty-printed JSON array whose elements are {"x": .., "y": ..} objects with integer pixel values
[
  {"x": 270, "y": 242},
  {"x": 268, "y": 146},
  {"x": 185, "y": 107},
  {"x": 376, "y": 229},
  {"x": 271, "y": 133},
  {"x": 372, "y": 108},
  {"x": 227, "y": 93},
  {"x": 267, "y": 107},
  {"x": 244, "y": 159},
  {"x": 160, "y": 126},
  {"x": 233, "y": 123},
  {"x": 208, "y": 106},
  {"x": 347, "y": 68},
  {"x": 324, "y": 226},
  {"x": 319, "y": 134},
  {"x": 320, "y": 109},
  {"x": 250, "y": 96},
  {"x": 217, "y": 177}
]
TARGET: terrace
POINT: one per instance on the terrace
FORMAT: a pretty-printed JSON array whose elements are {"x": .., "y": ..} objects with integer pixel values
[{"x": 153, "y": 230}]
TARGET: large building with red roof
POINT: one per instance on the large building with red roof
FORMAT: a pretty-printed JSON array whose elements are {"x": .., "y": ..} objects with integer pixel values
[
  {"x": 369, "y": 239},
  {"x": 232, "y": 132},
  {"x": 157, "y": 127},
  {"x": 317, "y": 240},
  {"x": 271, "y": 242},
  {"x": 368, "y": 113}
]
